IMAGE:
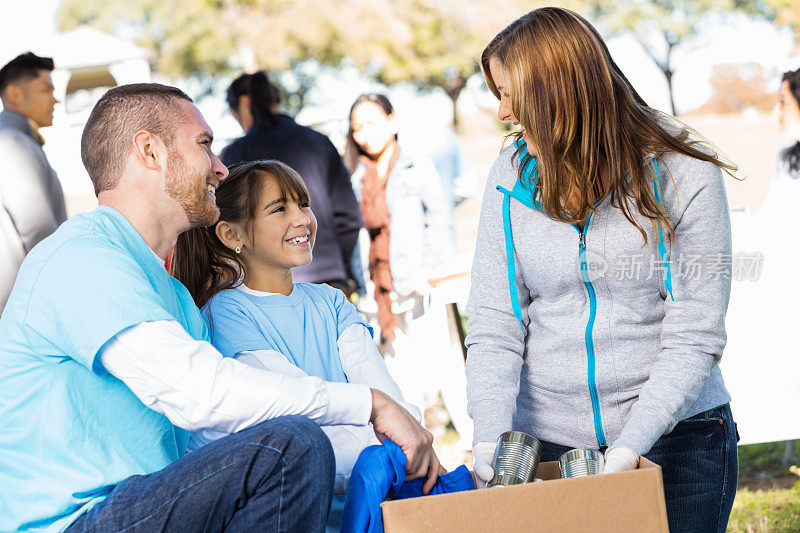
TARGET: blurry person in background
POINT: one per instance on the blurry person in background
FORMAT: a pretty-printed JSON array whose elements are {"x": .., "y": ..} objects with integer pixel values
[
  {"x": 781, "y": 201},
  {"x": 789, "y": 117},
  {"x": 30, "y": 193},
  {"x": 406, "y": 215},
  {"x": 270, "y": 134}
]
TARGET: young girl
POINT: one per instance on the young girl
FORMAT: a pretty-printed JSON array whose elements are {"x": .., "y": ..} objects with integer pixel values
[
  {"x": 239, "y": 272},
  {"x": 271, "y": 134},
  {"x": 585, "y": 329}
]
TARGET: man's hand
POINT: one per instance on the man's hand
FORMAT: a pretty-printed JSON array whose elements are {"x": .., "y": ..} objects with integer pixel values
[
  {"x": 482, "y": 454},
  {"x": 620, "y": 459},
  {"x": 391, "y": 421}
]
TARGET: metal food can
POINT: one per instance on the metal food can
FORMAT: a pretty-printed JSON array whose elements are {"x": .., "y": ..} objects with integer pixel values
[
  {"x": 581, "y": 462},
  {"x": 516, "y": 457}
]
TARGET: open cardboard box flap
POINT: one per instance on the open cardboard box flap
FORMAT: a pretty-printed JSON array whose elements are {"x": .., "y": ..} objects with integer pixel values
[{"x": 631, "y": 501}]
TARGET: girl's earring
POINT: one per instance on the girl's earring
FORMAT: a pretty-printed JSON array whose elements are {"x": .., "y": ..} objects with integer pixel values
[{"x": 238, "y": 249}]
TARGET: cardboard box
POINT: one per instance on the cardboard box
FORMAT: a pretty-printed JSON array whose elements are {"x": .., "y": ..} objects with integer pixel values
[{"x": 631, "y": 501}]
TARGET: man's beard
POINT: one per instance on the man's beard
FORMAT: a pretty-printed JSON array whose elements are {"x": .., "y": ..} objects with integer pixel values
[{"x": 182, "y": 185}]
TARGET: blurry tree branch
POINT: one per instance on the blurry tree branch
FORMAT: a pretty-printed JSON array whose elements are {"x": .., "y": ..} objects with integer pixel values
[
  {"x": 431, "y": 43},
  {"x": 438, "y": 43},
  {"x": 208, "y": 38},
  {"x": 662, "y": 25},
  {"x": 737, "y": 87},
  {"x": 786, "y": 13}
]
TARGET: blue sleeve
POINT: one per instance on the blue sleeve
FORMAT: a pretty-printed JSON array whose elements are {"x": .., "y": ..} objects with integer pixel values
[
  {"x": 233, "y": 327},
  {"x": 346, "y": 313},
  {"x": 206, "y": 330},
  {"x": 86, "y": 293}
]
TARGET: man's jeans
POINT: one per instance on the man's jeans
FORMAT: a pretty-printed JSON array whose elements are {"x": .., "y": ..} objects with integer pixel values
[
  {"x": 276, "y": 476},
  {"x": 700, "y": 468}
]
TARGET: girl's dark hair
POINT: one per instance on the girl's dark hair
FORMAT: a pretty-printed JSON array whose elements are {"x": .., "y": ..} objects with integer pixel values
[
  {"x": 200, "y": 261},
  {"x": 790, "y": 157},
  {"x": 793, "y": 79},
  {"x": 352, "y": 151},
  {"x": 264, "y": 96}
]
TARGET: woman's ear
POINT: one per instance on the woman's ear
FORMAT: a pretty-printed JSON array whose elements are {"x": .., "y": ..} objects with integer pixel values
[
  {"x": 229, "y": 234},
  {"x": 242, "y": 113},
  {"x": 390, "y": 118},
  {"x": 243, "y": 103}
]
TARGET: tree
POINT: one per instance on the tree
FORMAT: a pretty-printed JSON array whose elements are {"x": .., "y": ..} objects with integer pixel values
[
  {"x": 440, "y": 42},
  {"x": 432, "y": 43},
  {"x": 661, "y": 26},
  {"x": 185, "y": 36},
  {"x": 739, "y": 87},
  {"x": 208, "y": 38},
  {"x": 786, "y": 13}
]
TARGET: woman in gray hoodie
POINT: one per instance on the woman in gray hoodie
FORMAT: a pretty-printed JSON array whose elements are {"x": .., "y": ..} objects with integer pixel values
[{"x": 601, "y": 274}]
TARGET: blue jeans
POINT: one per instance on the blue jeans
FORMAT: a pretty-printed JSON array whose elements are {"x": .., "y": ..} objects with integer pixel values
[
  {"x": 700, "y": 468},
  {"x": 275, "y": 476}
]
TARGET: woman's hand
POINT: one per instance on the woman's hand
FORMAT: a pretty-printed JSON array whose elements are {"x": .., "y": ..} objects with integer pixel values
[
  {"x": 391, "y": 421},
  {"x": 620, "y": 459},
  {"x": 482, "y": 454}
]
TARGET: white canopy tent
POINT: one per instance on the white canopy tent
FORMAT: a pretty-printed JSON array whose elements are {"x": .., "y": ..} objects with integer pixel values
[
  {"x": 87, "y": 58},
  {"x": 88, "y": 62}
]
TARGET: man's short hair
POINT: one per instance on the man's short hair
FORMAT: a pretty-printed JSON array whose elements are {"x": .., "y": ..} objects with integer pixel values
[
  {"x": 24, "y": 66},
  {"x": 117, "y": 116}
]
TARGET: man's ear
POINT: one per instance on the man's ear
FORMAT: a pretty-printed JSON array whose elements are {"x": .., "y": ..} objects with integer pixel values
[
  {"x": 149, "y": 150},
  {"x": 12, "y": 96},
  {"x": 229, "y": 234}
]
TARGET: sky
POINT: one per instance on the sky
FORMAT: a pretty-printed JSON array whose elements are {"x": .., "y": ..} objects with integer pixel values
[{"x": 23, "y": 23}]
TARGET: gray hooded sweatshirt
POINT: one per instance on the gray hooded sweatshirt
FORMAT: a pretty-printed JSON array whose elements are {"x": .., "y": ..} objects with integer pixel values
[{"x": 611, "y": 342}]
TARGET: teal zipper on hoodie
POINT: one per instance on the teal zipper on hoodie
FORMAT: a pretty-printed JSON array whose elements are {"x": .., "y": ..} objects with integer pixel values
[{"x": 598, "y": 424}]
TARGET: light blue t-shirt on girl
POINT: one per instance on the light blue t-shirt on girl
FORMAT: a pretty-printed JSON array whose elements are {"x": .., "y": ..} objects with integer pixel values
[
  {"x": 71, "y": 431},
  {"x": 304, "y": 326}
]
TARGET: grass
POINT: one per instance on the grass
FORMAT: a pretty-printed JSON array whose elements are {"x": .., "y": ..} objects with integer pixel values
[
  {"x": 769, "y": 496},
  {"x": 762, "y": 511}
]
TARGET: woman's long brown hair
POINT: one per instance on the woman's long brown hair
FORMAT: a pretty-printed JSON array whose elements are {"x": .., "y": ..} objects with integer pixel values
[
  {"x": 584, "y": 119},
  {"x": 200, "y": 260}
]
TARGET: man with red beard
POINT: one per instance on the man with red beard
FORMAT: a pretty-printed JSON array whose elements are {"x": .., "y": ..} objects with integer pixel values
[{"x": 106, "y": 367}]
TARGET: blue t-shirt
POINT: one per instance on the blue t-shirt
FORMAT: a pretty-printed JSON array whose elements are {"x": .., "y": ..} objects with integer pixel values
[
  {"x": 303, "y": 326},
  {"x": 70, "y": 430}
]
